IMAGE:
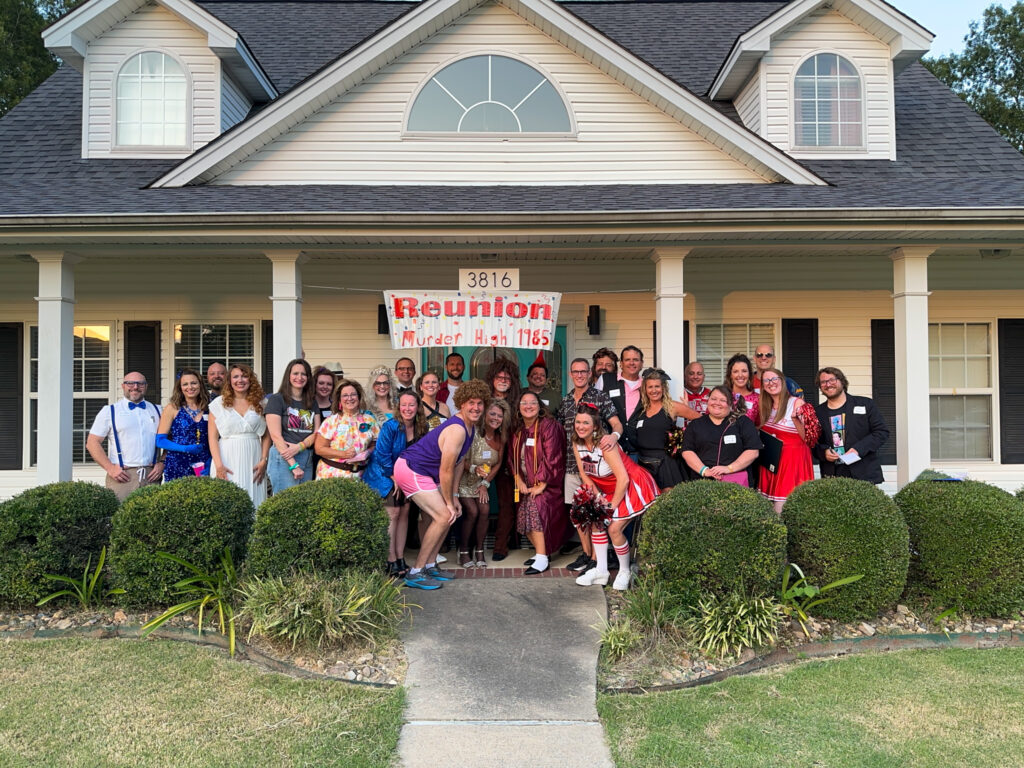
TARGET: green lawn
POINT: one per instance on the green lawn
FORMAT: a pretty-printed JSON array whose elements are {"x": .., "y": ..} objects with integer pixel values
[
  {"x": 131, "y": 703},
  {"x": 920, "y": 708}
]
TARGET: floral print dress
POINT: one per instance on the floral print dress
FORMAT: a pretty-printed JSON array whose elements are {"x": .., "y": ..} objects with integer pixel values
[{"x": 347, "y": 433}]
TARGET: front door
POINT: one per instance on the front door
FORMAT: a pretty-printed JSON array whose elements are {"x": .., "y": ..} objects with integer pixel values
[{"x": 478, "y": 358}]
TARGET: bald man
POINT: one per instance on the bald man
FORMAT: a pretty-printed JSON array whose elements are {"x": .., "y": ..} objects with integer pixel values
[
  {"x": 129, "y": 427},
  {"x": 216, "y": 375}
]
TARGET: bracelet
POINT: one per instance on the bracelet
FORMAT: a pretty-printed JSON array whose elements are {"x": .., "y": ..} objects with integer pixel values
[
  {"x": 485, "y": 483},
  {"x": 618, "y": 435},
  {"x": 294, "y": 466},
  {"x": 302, "y": 447},
  {"x": 729, "y": 469},
  {"x": 703, "y": 470}
]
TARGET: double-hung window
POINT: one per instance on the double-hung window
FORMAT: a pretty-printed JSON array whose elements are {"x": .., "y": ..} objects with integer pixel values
[
  {"x": 960, "y": 375},
  {"x": 717, "y": 343}
]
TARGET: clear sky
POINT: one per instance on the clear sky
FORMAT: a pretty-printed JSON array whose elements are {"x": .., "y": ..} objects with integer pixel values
[{"x": 948, "y": 20}]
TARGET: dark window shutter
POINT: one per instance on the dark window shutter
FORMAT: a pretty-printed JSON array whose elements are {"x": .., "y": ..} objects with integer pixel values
[
  {"x": 12, "y": 336},
  {"x": 800, "y": 354},
  {"x": 267, "y": 369},
  {"x": 1011, "y": 390},
  {"x": 142, "y": 354},
  {"x": 883, "y": 381}
]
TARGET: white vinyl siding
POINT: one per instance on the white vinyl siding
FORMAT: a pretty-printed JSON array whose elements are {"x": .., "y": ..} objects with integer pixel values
[
  {"x": 234, "y": 104},
  {"x": 358, "y": 139},
  {"x": 748, "y": 102},
  {"x": 826, "y": 31},
  {"x": 150, "y": 28}
]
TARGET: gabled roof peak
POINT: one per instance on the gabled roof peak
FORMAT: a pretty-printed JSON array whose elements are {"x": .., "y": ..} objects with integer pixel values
[
  {"x": 69, "y": 37},
  {"x": 429, "y": 17},
  {"x": 907, "y": 40}
]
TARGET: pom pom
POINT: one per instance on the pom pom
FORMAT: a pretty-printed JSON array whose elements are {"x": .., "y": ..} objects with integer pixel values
[
  {"x": 589, "y": 510},
  {"x": 674, "y": 441},
  {"x": 812, "y": 429}
]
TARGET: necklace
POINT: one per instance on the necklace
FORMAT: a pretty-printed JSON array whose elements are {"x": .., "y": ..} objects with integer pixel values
[{"x": 192, "y": 412}]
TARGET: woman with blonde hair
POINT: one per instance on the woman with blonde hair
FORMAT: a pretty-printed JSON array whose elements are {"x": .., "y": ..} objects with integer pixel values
[
  {"x": 239, "y": 441},
  {"x": 648, "y": 428},
  {"x": 482, "y": 463},
  {"x": 382, "y": 393}
]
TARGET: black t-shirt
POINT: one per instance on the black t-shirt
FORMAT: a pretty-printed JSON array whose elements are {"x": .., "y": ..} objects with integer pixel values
[
  {"x": 702, "y": 436},
  {"x": 296, "y": 420}
]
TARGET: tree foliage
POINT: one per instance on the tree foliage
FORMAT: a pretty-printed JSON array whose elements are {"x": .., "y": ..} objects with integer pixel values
[
  {"x": 24, "y": 62},
  {"x": 989, "y": 74}
]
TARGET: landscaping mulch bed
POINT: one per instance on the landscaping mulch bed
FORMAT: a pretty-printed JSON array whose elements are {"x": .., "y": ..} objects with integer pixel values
[
  {"x": 670, "y": 662},
  {"x": 384, "y": 665}
]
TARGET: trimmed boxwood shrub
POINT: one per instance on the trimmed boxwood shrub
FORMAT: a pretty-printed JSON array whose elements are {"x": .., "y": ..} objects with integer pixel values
[
  {"x": 51, "y": 529},
  {"x": 327, "y": 526},
  {"x": 193, "y": 518},
  {"x": 712, "y": 537},
  {"x": 840, "y": 527},
  {"x": 967, "y": 545}
]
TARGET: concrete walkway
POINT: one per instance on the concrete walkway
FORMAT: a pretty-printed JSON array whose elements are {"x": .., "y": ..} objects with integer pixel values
[{"x": 502, "y": 672}]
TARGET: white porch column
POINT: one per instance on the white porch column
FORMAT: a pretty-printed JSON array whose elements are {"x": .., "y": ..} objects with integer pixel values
[
  {"x": 56, "y": 361},
  {"x": 910, "y": 312},
  {"x": 668, "y": 312},
  {"x": 287, "y": 300}
]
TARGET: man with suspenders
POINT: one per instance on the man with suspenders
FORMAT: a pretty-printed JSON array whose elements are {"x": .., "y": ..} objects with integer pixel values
[{"x": 129, "y": 427}]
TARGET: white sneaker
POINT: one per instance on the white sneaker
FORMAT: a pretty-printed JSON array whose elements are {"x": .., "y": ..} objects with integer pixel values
[
  {"x": 593, "y": 576},
  {"x": 621, "y": 582}
]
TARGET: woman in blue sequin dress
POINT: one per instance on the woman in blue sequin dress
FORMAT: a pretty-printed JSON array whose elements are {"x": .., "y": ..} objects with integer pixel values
[{"x": 182, "y": 433}]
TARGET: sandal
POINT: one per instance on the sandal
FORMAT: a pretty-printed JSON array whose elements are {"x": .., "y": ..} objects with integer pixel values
[
  {"x": 480, "y": 562},
  {"x": 465, "y": 561}
]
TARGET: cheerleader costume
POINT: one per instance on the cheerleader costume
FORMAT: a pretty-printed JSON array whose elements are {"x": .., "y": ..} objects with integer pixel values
[
  {"x": 795, "y": 464},
  {"x": 640, "y": 492}
]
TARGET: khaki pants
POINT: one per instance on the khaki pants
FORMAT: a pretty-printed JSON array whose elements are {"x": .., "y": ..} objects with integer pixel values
[{"x": 136, "y": 479}]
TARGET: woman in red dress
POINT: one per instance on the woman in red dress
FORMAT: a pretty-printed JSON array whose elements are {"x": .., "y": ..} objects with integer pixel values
[
  {"x": 787, "y": 419},
  {"x": 629, "y": 489}
]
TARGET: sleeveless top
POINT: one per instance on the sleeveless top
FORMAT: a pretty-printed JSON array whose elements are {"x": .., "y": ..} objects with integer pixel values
[
  {"x": 480, "y": 453},
  {"x": 434, "y": 416},
  {"x": 424, "y": 456}
]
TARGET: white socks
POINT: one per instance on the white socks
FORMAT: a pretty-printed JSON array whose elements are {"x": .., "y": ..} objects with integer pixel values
[{"x": 540, "y": 562}]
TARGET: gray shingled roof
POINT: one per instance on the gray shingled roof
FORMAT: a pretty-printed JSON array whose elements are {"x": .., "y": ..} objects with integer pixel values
[{"x": 948, "y": 156}]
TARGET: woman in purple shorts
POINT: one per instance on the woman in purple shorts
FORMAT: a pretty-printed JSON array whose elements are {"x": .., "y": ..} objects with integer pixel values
[{"x": 430, "y": 469}]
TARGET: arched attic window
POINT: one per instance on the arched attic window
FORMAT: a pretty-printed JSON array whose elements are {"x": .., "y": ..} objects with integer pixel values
[
  {"x": 489, "y": 94},
  {"x": 152, "y": 101},
  {"x": 828, "y": 103}
]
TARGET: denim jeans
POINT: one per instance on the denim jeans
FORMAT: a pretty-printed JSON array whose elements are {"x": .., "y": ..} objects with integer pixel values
[{"x": 279, "y": 474}]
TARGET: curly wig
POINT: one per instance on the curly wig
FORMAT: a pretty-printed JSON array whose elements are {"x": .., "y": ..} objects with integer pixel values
[
  {"x": 472, "y": 389},
  {"x": 502, "y": 365}
]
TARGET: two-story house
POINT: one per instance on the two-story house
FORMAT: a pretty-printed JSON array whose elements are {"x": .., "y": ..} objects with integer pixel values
[{"x": 240, "y": 179}]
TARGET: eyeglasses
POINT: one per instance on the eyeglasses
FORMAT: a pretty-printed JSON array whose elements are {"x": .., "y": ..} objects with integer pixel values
[
  {"x": 828, "y": 382},
  {"x": 503, "y": 377},
  {"x": 764, "y": 354},
  {"x": 348, "y": 397},
  {"x": 134, "y": 384},
  {"x": 381, "y": 384},
  {"x": 773, "y": 380},
  {"x": 405, "y": 368},
  {"x": 579, "y": 373}
]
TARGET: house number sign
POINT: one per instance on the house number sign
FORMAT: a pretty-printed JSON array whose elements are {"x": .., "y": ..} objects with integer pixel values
[{"x": 495, "y": 279}]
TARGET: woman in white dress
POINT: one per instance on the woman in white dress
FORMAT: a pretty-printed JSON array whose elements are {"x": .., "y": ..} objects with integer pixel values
[{"x": 239, "y": 441}]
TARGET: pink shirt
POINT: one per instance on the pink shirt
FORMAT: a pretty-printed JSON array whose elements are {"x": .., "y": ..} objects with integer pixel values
[{"x": 632, "y": 394}]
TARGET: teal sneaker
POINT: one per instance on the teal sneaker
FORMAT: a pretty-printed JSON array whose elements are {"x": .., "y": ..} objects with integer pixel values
[
  {"x": 439, "y": 575},
  {"x": 422, "y": 581}
]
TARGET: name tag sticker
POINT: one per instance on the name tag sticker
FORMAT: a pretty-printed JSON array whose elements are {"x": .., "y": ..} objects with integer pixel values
[
  {"x": 530, "y": 442},
  {"x": 614, "y": 393},
  {"x": 485, "y": 454},
  {"x": 546, "y": 402},
  {"x": 639, "y": 423},
  {"x": 860, "y": 409},
  {"x": 729, "y": 439},
  {"x": 206, "y": 417}
]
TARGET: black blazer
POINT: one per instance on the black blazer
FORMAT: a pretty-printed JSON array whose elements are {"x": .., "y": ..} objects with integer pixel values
[
  {"x": 866, "y": 432},
  {"x": 610, "y": 383}
]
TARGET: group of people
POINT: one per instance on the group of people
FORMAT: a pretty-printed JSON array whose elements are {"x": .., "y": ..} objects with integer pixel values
[{"x": 454, "y": 450}]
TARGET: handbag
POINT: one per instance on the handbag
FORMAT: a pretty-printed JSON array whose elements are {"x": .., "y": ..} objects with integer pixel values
[{"x": 739, "y": 478}]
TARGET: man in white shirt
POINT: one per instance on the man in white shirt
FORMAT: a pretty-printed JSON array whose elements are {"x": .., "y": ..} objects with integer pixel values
[{"x": 129, "y": 427}]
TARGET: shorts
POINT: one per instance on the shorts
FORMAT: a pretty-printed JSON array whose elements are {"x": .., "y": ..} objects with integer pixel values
[
  {"x": 572, "y": 482},
  {"x": 412, "y": 482}
]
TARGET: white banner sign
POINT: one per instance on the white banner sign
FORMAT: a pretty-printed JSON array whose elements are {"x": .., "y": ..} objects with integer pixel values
[{"x": 472, "y": 319}]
